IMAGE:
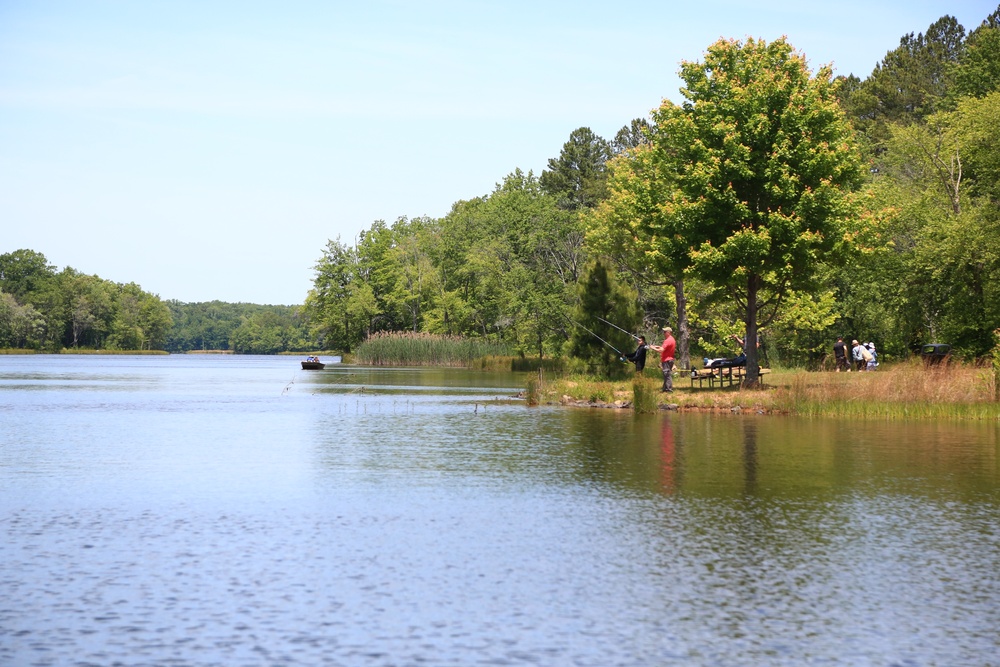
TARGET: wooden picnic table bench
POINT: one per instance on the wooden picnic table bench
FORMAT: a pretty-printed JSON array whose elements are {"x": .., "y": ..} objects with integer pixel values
[{"x": 723, "y": 376}]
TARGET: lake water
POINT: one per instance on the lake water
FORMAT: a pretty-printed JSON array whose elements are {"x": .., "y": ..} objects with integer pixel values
[{"x": 228, "y": 510}]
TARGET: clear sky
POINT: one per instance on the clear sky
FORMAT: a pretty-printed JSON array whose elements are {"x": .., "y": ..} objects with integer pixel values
[{"x": 209, "y": 150}]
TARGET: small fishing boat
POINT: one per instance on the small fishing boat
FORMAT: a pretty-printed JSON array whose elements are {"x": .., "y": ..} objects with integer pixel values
[{"x": 313, "y": 364}]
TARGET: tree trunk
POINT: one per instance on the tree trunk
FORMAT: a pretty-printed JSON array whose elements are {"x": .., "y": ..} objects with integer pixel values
[
  {"x": 683, "y": 333},
  {"x": 752, "y": 378}
]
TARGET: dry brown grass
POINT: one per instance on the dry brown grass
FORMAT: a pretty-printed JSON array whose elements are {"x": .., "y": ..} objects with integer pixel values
[{"x": 900, "y": 391}]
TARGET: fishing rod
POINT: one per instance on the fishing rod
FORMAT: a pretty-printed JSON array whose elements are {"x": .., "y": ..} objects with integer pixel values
[
  {"x": 618, "y": 327},
  {"x": 620, "y": 353}
]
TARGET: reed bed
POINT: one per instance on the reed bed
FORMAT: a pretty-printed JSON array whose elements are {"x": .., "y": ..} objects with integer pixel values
[
  {"x": 901, "y": 391},
  {"x": 420, "y": 349}
]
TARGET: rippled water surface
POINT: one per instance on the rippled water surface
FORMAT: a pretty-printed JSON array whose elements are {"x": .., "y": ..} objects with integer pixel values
[{"x": 210, "y": 510}]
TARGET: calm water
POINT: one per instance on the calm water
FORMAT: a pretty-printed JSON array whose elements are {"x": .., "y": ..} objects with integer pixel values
[{"x": 192, "y": 510}]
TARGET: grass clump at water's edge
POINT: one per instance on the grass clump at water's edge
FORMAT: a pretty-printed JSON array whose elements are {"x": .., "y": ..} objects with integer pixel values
[
  {"x": 420, "y": 349},
  {"x": 902, "y": 391}
]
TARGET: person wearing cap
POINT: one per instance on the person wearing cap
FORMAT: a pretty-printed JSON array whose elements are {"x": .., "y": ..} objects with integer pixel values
[
  {"x": 873, "y": 362},
  {"x": 857, "y": 353},
  {"x": 666, "y": 351}
]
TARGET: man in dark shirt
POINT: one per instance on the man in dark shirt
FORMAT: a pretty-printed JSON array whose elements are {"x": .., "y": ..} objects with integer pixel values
[
  {"x": 840, "y": 354},
  {"x": 639, "y": 356}
]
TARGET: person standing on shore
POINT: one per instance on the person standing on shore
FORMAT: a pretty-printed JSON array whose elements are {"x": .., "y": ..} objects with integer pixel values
[
  {"x": 873, "y": 362},
  {"x": 639, "y": 356},
  {"x": 840, "y": 355},
  {"x": 667, "y": 350},
  {"x": 858, "y": 355}
]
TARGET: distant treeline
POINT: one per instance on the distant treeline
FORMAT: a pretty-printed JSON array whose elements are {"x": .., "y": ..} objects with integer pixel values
[
  {"x": 48, "y": 310},
  {"x": 243, "y": 328},
  {"x": 45, "y": 309}
]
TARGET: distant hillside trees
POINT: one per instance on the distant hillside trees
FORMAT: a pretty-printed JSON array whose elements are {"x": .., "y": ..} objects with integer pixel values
[
  {"x": 243, "y": 328},
  {"x": 43, "y": 309}
]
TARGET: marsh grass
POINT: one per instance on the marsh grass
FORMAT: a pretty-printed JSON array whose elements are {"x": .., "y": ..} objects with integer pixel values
[
  {"x": 418, "y": 349},
  {"x": 898, "y": 392},
  {"x": 532, "y": 390},
  {"x": 645, "y": 394},
  {"x": 901, "y": 391}
]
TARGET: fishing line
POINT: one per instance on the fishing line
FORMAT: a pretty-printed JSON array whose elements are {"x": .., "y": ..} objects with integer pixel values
[
  {"x": 618, "y": 327},
  {"x": 620, "y": 353}
]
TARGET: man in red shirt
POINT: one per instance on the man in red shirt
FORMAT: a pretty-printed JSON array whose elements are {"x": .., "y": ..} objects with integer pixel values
[{"x": 667, "y": 358}]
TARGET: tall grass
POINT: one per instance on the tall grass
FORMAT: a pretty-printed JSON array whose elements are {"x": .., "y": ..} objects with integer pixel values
[
  {"x": 645, "y": 394},
  {"x": 420, "y": 349},
  {"x": 901, "y": 391}
]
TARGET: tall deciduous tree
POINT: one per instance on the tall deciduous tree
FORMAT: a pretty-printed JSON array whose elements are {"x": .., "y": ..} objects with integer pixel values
[
  {"x": 23, "y": 272},
  {"x": 759, "y": 160}
]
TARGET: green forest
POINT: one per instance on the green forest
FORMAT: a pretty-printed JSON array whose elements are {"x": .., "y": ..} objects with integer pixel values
[
  {"x": 49, "y": 310},
  {"x": 773, "y": 202}
]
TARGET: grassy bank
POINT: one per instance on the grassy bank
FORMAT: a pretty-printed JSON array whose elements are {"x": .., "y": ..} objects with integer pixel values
[{"x": 902, "y": 391}]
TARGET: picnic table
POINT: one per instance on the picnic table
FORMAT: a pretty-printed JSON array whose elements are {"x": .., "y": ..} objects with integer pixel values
[{"x": 725, "y": 376}]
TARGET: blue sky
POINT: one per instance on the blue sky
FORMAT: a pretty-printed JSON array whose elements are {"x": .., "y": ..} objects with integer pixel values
[{"x": 208, "y": 150}]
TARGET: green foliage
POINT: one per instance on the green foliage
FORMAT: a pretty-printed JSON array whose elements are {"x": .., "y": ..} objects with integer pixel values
[
  {"x": 977, "y": 73},
  {"x": 501, "y": 267},
  {"x": 577, "y": 177},
  {"x": 801, "y": 334},
  {"x": 20, "y": 326},
  {"x": 243, "y": 328},
  {"x": 756, "y": 165},
  {"x": 934, "y": 276},
  {"x": 24, "y": 274},
  {"x": 603, "y": 299},
  {"x": 68, "y": 309}
]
